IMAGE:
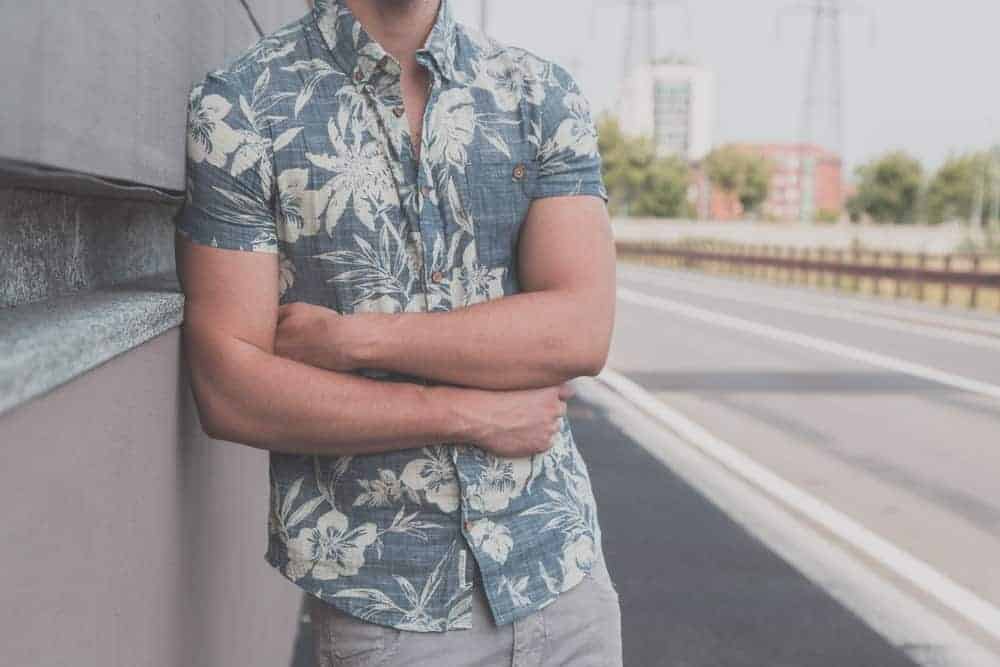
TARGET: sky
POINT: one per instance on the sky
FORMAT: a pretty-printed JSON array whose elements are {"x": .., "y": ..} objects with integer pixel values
[{"x": 923, "y": 82}]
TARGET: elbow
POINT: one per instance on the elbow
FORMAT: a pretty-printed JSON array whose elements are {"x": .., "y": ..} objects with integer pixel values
[
  {"x": 218, "y": 421},
  {"x": 594, "y": 362},
  {"x": 591, "y": 356},
  {"x": 214, "y": 422}
]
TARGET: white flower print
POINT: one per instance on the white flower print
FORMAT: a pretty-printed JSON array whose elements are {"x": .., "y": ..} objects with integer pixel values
[
  {"x": 329, "y": 549},
  {"x": 209, "y": 137},
  {"x": 434, "y": 474},
  {"x": 516, "y": 589},
  {"x": 498, "y": 481},
  {"x": 474, "y": 283},
  {"x": 361, "y": 180},
  {"x": 494, "y": 539},
  {"x": 577, "y": 559},
  {"x": 511, "y": 81},
  {"x": 298, "y": 209},
  {"x": 575, "y": 136},
  {"x": 452, "y": 126},
  {"x": 378, "y": 304},
  {"x": 384, "y": 491}
]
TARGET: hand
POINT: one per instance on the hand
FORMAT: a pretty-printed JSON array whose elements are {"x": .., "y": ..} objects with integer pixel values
[
  {"x": 520, "y": 422},
  {"x": 313, "y": 335}
]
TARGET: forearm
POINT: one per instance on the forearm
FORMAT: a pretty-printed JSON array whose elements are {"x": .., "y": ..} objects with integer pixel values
[
  {"x": 524, "y": 340},
  {"x": 250, "y": 396}
]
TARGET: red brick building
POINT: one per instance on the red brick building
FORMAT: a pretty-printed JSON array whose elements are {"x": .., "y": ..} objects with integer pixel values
[{"x": 806, "y": 182}]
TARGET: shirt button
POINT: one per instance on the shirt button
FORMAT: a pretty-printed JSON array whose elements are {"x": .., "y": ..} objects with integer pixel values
[
  {"x": 399, "y": 111},
  {"x": 437, "y": 277},
  {"x": 426, "y": 190},
  {"x": 358, "y": 75},
  {"x": 518, "y": 171},
  {"x": 468, "y": 525}
]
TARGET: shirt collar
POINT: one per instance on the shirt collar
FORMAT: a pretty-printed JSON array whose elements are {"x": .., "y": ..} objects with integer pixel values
[{"x": 361, "y": 56}]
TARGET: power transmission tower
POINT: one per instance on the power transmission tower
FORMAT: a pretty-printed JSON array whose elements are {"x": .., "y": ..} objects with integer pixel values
[
  {"x": 822, "y": 116},
  {"x": 639, "y": 13}
]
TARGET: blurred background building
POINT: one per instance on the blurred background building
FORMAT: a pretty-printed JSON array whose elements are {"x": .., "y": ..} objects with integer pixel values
[{"x": 674, "y": 102}]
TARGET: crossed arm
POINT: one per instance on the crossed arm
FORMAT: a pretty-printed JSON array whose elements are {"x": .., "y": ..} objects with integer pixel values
[
  {"x": 557, "y": 328},
  {"x": 269, "y": 379}
]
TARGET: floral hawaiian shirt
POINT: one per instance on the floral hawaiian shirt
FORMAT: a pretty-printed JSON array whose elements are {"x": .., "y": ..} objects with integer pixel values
[{"x": 300, "y": 147}]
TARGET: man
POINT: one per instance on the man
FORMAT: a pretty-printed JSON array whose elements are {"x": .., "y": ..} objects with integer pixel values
[{"x": 427, "y": 260}]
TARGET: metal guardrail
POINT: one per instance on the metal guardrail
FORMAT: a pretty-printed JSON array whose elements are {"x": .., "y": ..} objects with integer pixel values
[{"x": 831, "y": 267}]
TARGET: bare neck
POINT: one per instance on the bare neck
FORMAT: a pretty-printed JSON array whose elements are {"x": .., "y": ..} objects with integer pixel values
[{"x": 400, "y": 26}]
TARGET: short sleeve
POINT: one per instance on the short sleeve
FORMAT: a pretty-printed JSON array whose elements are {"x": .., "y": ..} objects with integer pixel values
[
  {"x": 568, "y": 159},
  {"x": 228, "y": 172}
]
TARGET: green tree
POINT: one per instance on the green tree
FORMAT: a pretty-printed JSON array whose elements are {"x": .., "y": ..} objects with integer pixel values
[
  {"x": 639, "y": 182},
  {"x": 740, "y": 172},
  {"x": 664, "y": 189},
  {"x": 953, "y": 190},
  {"x": 889, "y": 188}
]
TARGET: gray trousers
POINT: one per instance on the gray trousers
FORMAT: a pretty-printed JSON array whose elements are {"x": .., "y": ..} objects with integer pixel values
[{"x": 581, "y": 628}]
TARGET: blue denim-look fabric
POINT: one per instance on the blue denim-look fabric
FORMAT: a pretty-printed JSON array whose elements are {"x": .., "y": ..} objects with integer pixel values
[{"x": 300, "y": 147}]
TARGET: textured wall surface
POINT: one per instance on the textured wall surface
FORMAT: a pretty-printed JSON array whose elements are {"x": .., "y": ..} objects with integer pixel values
[
  {"x": 53, "y": 244},
  {"x": 101, "y": 87},
  {"x": 129, "y": 538}
]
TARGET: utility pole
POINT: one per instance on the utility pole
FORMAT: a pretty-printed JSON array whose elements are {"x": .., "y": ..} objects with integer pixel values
[{"x": 822, "y": 115}]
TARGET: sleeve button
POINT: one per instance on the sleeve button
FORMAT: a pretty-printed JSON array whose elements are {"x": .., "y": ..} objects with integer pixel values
[
  {"x": 437, "y": 276},
  {"x": 518, "y": 172},
  {"x": 399, "y": 111},
  {"x": 358, "y": 75}
]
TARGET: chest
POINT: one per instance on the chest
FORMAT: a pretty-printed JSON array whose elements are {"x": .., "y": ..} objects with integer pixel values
[
  {"x": 415, "y": 86},
  {"x": 408, "y": 202}
]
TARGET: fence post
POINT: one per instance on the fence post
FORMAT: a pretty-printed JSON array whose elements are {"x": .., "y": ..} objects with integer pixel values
[
  {"x": 899, "y": 275},
  {"x": 946, "y": 294},
  {"x": 974, "y": 291},
  {"x": 876, "y": 280},
  {"x": 855, "y": 261},
  {"x": 921, "y": 267}
]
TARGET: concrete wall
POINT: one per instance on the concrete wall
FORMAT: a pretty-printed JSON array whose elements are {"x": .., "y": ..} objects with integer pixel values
[
  {"x": 129, "y": 538},
  {"x": 101, "y": 87}
]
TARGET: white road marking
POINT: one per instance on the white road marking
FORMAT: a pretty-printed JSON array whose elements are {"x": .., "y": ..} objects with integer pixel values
[
  {"x": 985, "y": 324},
  {"x": 812, "y": 342},
  {"x": 862, "y": 317},
  {"x": 917, "y": 572},
  {"x": 906, "y": 622}
]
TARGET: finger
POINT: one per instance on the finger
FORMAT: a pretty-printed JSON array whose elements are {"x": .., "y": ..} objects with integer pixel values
[{"x": 566, "y": 390}]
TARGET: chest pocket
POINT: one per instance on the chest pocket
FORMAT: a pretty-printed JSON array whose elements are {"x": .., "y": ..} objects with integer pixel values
[{"x": 500, "y": 191}]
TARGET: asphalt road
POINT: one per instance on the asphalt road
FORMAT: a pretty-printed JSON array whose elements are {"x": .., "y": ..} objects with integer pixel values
[
  {"x": 888, "y": 413},
  {"x": 882, "y": 411}
]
